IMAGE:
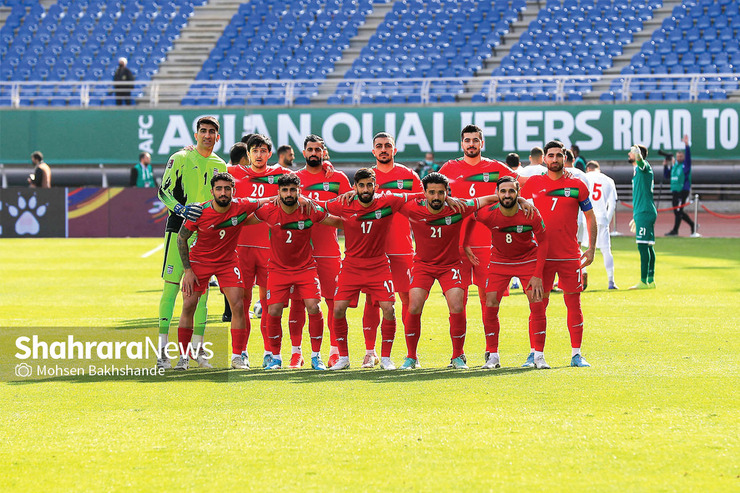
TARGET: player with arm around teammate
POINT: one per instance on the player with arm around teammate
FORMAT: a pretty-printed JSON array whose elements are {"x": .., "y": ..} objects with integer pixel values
[{"x": 518, "y": 248}]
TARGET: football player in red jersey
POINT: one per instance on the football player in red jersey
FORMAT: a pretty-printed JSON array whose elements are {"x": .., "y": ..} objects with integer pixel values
[
  {"x": 317, "y": 185},
  {"x": 518, "y": 249},
  {"x": 474, "y": 176},
  {"x": 559, "y": 197},
  {"x": 292, "y": 268},
  {"x": 214, "y": 254},
  {"x": 436, "y": 229},
  {"x": 396, "y": 178},
  {"x": 256, "y": 180}
]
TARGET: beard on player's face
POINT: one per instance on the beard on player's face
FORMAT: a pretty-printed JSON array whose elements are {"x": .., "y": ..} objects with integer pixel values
[
  {"x": 313, "y": 161},
  {"x": 436, "y": 204},
  {"x": 384, "y": 158},
  {"x": 365, "y": 197},
  {"x": 289, "y": 200},
  {"x": 472, "y": 152},
  {"x": 508, "y": 202},
  {"x": 223, "y": 200},
  {"x": 555, "y": 165}
]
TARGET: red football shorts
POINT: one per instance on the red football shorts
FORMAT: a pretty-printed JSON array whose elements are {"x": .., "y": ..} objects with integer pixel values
[
  {"x": 499, "y": 276},
  {"x": 569, "y": 275},
  {"x": 253, "y": 265},
  {"x": 328, "y": 268},
  {"x": 449, "y": 276},
  {"x": 371, "y": 276},
  {"x": 401, "y": 266},
  {"x": 302, "y": 285},
  {"x": 476, "y": 274},
  {"x": 228, "y": 275}
]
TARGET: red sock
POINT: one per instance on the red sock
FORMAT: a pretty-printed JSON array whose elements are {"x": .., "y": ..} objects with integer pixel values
[
  {"x": 330, "y": 322},
  {"x": 537, "y": 326},
  {"x": 263, "y": 326},
  {"x": 491, "y": 328},
  {"x": 387, "y": 334},
  {"x": 316, "y": 330},
  {"x": 296, "y": 321},
  {"x": 340, "y": 331},
  {"x": 247, "y": 302},
  {"x": 274, "y": 331},
  {"x": 183, "y": 337},
  {"x": 412, "y": 331},
  {"x": 238, "y": 341},
  {"x": 575, "y": 318},
  {"x": 370, "y": 322},
  {"x": 457, "y": 333}
]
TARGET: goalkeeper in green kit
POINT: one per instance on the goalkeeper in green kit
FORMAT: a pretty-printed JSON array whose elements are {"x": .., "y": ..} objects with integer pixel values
[
  {"x": 185, "y": 185},
  {"x": 644, "y": 215}
]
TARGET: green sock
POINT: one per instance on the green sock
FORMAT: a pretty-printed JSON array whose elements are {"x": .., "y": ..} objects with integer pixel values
[
  {"x": 644, "y": 261},
  {"x": 651, "y": 264},
  {"x": 166, "y": 306},
  {"x": 201, "y": 314}
]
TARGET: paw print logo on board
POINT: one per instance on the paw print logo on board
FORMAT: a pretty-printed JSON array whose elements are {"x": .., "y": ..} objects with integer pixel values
[{"x": 27, "y": 213}]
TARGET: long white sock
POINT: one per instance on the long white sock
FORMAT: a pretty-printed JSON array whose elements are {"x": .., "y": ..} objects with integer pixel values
[
  {"x": 315, "y": 353},
  {"x": 164, "y": 339},
  {"x": 608, "y": 262},
  {"x": 576, "y": 350},
  {"x": 295, "y": 349}
]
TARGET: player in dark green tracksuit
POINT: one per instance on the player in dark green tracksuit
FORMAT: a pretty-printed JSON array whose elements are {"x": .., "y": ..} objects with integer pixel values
[
  {"x": 644, "y": 215},
  {"x": 186, "y": 184}
]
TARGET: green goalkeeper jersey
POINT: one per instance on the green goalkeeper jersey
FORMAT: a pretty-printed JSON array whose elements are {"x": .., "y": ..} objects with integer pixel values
[
  {"x": 642, "y": 191},
  {"x": 187, "y": 180}
]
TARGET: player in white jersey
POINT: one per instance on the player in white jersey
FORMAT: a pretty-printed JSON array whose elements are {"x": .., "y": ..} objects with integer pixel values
[
  {"x": 604, "y": 199},
  {"x": 535, "y": 166},
  {"x": 582, "y": 229}
]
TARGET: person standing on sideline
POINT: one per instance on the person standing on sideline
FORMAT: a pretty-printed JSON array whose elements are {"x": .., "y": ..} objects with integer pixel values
[
  {"x": 644, "y": 215},
  {"x": 579, "y": 162},
  {"x": 124, "y": 77},
  {"x": 680, "y": 175},
  {"x": 142, "y": 175},
  {"x": 41, "y": 176}
]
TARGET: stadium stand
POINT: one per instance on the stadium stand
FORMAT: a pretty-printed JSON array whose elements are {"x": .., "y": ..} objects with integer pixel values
[
  {"x": 569, "y": 37},
  {"x": 700, "y": 37},
  {"x": 80, "y": 40}
]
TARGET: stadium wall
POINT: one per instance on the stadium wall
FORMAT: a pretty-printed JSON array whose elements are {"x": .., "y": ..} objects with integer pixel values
[{"x": 605, "y": 132}]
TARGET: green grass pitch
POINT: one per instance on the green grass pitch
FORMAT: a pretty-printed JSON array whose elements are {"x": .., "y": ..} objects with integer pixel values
[{"x": 657, "y": 411}]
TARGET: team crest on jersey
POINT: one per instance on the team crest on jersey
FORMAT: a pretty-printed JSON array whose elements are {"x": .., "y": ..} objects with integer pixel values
[
  {"x": 399, "y": 184},
  {"x": 566, "y": 192},
  {"x": 268, "y": 294},
  {"x": 270, "y": 179},
  {"x": 170, "y": 163},
  {"x": 378, "y": 214},
  {"x": 519, "y": 228},
  {"x": 301, "y": 224},
  {"x": 326, "y": 186},
  {"x": 234, "y": 221},
  {"x": 215, "y": 170},
  {"x": 486, "y": 177},
  {"x": 448, "y": 220}
]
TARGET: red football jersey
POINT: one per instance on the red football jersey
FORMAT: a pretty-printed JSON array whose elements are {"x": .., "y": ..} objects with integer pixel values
[
  {"x": 318, "y": 187},
  {"x": 437, "y": 234},
  {"x": 399, "y": 179},
  {"x": 290, "y": 236},
  {"x": 515, "y": 239},
  {"x": 559, "y": 201},
  {"x": 218, "y": 232},
  {"x": 254, "y": 185},
  {"x": 469, "y": 182},
  {"x": 366, "y": 228}
]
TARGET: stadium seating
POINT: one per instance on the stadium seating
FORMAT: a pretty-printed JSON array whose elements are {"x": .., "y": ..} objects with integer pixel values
[
  {"x": 279, "y": 40},
  {"x": 569, "y": 37},
  {"x": 438, "y": 38},
  {"x": 701, "y": 36},
  {"x": 81, "y": 40}
]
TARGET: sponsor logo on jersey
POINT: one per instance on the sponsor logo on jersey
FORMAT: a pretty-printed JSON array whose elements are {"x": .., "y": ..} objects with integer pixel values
[
  {"x": 398, "y": 184},
  {"x": 447, "y": 220},
  {"x": 484, "y": 177},
  {"x": 298, "y": 224}
]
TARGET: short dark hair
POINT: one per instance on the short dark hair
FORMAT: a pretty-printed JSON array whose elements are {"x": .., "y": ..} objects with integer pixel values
[
  {"x": 592, "y": 165},
  {"x": 569, "y": 155},
  {"x": 507, "y": 179},
  {"x": 288, "y": 179},
  {"x": 223, "y": 177},
  {"x": 364, "y": 173},
  {"x": 246, "y": 137},
  {"x": 37, "y": 156},
  {"x": 210, "y": 120},
  {"x": 471, "y": 129},
  {"x": 283, "y": 149},
  {"x": 643, "y": 150},
  {"x": 575, "y": 149},
  {"x": 237, "y": 152},
  {"x": 512, "y": 160},
  {"x": 436, "y": 178},
  {"x": 553, "y": 143},
  {"x": 258, "y": 140},
  {"x": 313, "y": 138},
  {"x": 384, "y": 135},
  {"x": 142, "y": 155},
  {"x": 536, "y": 152}
]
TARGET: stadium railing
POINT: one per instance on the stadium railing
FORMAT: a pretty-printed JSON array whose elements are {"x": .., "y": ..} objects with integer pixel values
[{"x": 620, "y": 87}]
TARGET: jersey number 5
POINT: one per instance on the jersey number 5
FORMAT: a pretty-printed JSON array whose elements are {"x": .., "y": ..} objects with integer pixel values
[{"x": 597, "y": 191}]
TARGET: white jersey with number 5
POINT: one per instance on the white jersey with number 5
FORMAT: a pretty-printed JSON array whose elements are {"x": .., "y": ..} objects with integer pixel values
[{"x": 603, "y": 196}]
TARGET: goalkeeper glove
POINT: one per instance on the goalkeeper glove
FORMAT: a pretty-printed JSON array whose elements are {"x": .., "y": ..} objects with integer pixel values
[{"x": 191, "y": 212}]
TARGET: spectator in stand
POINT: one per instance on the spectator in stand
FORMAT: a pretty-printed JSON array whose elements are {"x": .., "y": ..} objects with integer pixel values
[
  {"x": 427, "y": 165},
  {"x": 124, "y": 78},
  {"x": 286, "y": 156},
  {"x": 512, "y": 161},
  {"x": 142, "y": 175},
  {"x": 579, "y": 162},
  {"x": 41, "y": 176},
  {"x": 680, "y": 175}
]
